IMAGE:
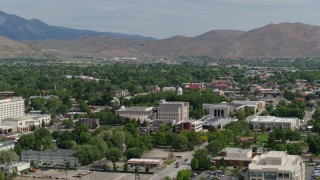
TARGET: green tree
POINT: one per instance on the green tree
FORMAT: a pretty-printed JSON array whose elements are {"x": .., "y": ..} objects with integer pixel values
[
  {"x": 125, "y": 167},
  {"x": 184, "y": 174},
  {"x": 202, "y": 156},
  {"x": 26, "y": 141},
  {"x": 2, "y": 176},
  {"x": 240, "y": 114},
  {"x": 134, "y": 152},
  {"x": 194, "y": 164},
  {"x": 147, "y": 169},
  {"x": 114, "y": 155},
  {"x": 68, "y": 123}
]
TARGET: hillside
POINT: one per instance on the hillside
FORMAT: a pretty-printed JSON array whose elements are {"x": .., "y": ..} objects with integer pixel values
[
  {"x": 18, "y": 28},
  {"x": 10, "y": 48},
  {"x": 274, "y": 40}
]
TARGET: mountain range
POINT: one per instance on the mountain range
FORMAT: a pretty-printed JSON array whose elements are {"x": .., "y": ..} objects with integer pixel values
[{"x": 273, "y": 40}]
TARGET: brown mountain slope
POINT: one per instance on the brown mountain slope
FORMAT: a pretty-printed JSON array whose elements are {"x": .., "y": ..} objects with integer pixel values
[
  {"x": 286, "y": 39},
  {"x": 10, "y": 48}
]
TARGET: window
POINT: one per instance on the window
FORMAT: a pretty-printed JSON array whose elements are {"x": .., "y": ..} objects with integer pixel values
[
  {"x": 286, "y": 175},
  {"x": 280, "y": 175},
  {"x": 270, "y": 175}
]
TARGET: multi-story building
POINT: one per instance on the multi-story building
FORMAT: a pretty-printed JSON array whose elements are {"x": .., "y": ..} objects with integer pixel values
[
  {"x": 189, "y": 126},
  {"x": 271, "y": 122},
  {"x": 222, "y": 109},
  {"x": 11, "y": 107},
  {"x": 178, "y": 111},
  {"x": 276, "y": 165},
  {"x": 136, "y": 112},
  {"x": 51, "y": 157},
  {"x": 6, "y": 145}
]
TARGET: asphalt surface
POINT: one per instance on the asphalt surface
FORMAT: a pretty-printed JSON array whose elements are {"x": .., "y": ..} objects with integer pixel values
[{"x": 171, "y": 170}]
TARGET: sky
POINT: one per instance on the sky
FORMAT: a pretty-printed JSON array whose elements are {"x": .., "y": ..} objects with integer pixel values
[{"x": 165, "y": 18}]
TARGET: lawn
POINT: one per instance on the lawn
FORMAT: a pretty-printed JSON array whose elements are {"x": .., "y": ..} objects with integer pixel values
[
  {"x": 262, "y": 138},
  {"x": 168, "y": 162}
]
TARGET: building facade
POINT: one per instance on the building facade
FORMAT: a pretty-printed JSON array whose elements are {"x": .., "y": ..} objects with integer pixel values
[
  {"x": 271, "y": 122},
  {"x": 136, "y": 112},
  {"x": 178, "y": 111},
  {"x": 188, "y": 126},
  {"x": 51, "y": 157},
  {"x": 235, "y": 156},
  {"x": 276, "y": 165},
  {"x": 12, "y": 107},
  {"x": 222, "y": 109}
]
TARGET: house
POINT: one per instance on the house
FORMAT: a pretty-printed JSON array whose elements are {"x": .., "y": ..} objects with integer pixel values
[
  {"x": 58, "y": 157},
  {"x": 92, "y": 123},
  {"x": 6, "y": 145}
]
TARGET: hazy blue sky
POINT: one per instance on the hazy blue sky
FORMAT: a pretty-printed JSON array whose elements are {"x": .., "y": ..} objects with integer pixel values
[{"x": 165, "y": 18}]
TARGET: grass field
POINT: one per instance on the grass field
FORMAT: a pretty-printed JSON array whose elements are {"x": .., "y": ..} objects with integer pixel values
[{"x": 262, "y": 138}]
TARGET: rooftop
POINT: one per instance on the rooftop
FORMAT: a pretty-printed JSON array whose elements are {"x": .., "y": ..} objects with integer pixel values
[
  {"x": 135, "y": 108},
  {"x": 223, "y": 105},
  {"x": 273, "y": 119},
  {"x": 57, "y": 152},
  {"x": 247, "y": 103},
  {"x": 12, "y": 99}
]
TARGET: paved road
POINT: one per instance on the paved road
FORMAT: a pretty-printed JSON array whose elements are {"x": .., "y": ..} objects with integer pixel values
[{"x": 172, "y": 171}]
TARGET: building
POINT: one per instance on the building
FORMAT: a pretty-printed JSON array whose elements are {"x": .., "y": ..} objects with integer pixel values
[
  {"x": 6, "y": 145},
  {"x": 51, "y": 157},
  {"x": 256, "y": 106},
  {"x": 11, "y": 107},
  {"x": 20, "y": 167},
  {"x": 271, "y": 122},
  {"x": 218, "y": 92},
  {"x": 193, "y": 86},
  {"x": 188, "y": 126},
  {"x": 136, "y": 112},
  {"x": 145, "y": 162},
  {"x": 7, "y": 94},
  {"x": 44, "y": 97},
  {"x": 222, "y": 109},
  {"x": 216, "y": 122},
  {"x": 90, "y": 122},
  {"x": 235, "y": 156},
  {"x": 276, "y": 165},
  {"x": 178, "y": 111}
]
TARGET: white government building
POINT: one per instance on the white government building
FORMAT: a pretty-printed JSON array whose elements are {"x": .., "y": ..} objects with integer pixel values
[
  {"x": 276, "y": 165},
  {"x": 271, "y": 122}
]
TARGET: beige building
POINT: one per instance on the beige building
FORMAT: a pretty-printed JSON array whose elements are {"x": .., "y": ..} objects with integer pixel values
[
  {"x": 256, "y": 106},
  {"x": 276, "y": 165},
  {"x": 12, "y": 107},
  {"x": 222, "y": 109},
  {"x": 23, "y": 123},
  {"x": 271, "y": 122},
  {"x": 178, "y": 111},
  {"x": 136, "y": 112}
]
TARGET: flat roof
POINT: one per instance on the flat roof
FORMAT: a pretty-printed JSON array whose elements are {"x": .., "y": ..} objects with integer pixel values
[
  {"x": 146, "y": 161},
  {"x": 273, "y": 119},
  {"x": 12, "y": 99},
  {"x": 222, "y": 105},
  {"x": 136, "y": 108},
  {"x": 248, "y": 103}
]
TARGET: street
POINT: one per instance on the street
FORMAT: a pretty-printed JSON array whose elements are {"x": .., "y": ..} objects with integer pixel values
[{"x": 171, "y": 170}]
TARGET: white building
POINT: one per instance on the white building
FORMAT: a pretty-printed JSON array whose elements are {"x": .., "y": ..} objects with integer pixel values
[
  {"x": 271, "y": 122},
  {"x": 221, "y": 109},
  {"x": 256, "y": 106},
  {"x": 51, "y": 157},
  {"x": 178, "y": 111},
  {"x": 136, "y": 112},
  {"x": 276, "y": 165},
  {"x": 11, "y": 107}
]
